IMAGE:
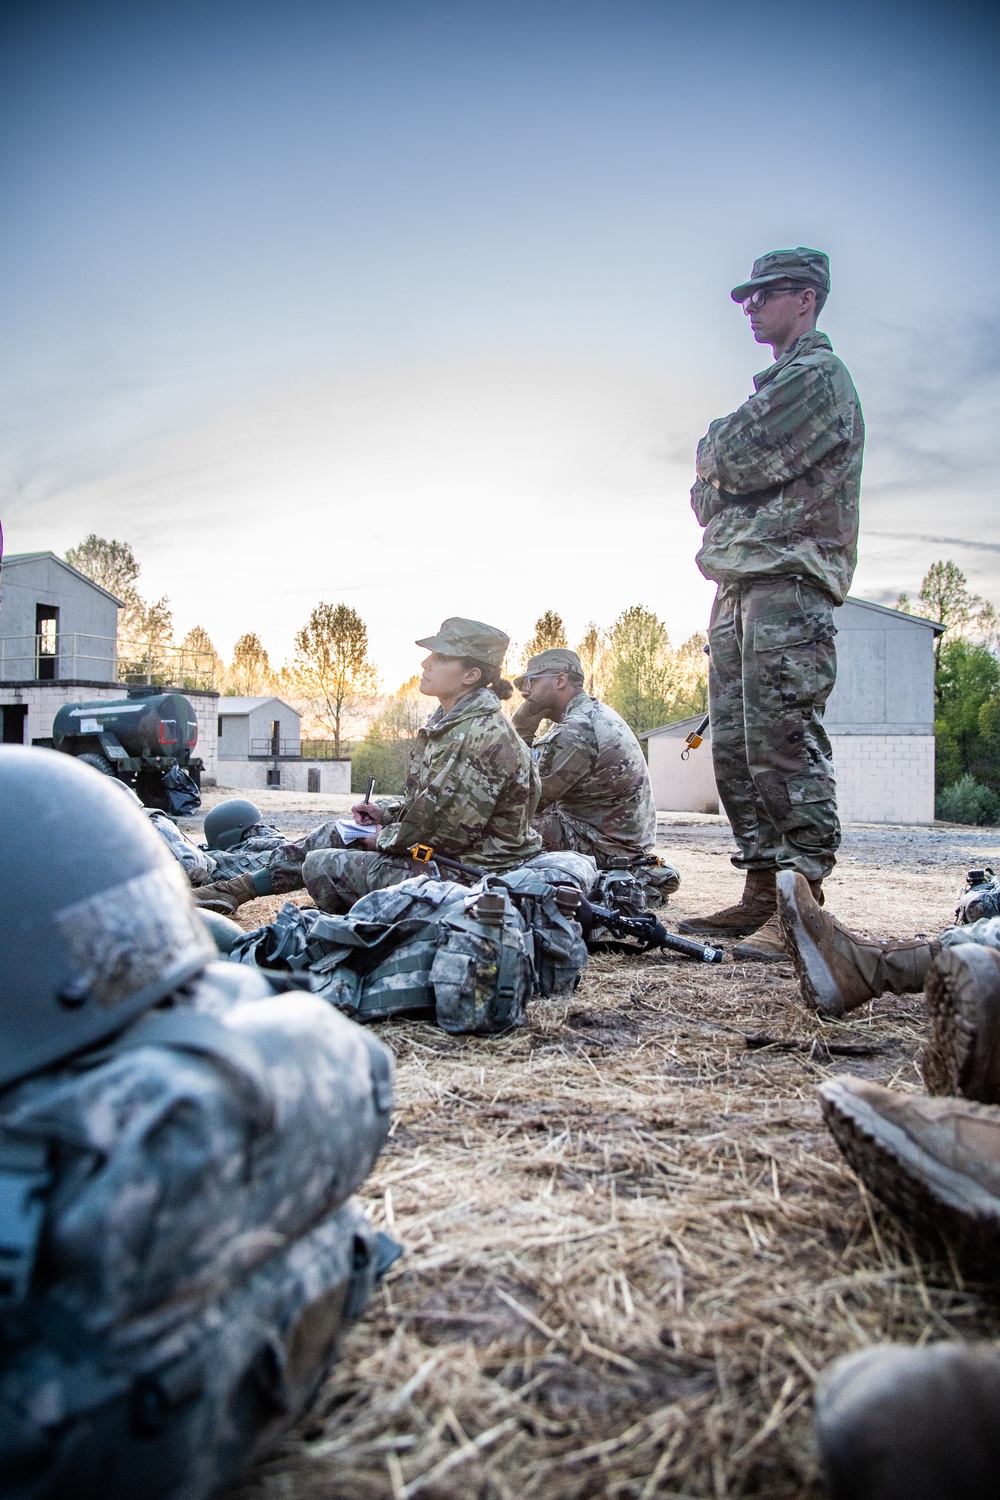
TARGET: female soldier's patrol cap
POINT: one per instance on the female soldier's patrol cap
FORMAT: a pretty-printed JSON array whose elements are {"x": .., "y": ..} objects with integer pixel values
[
  {"x": 556, "y": 659},
  {"x": 810, "y": 267},
  {"x": 458, "y": 637}
]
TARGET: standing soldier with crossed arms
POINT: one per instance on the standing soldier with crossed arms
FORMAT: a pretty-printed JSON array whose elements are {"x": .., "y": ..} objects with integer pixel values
[{"x": 777, "y": 493}]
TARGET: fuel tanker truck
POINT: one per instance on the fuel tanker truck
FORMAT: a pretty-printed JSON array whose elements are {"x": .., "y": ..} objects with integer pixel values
[{"x": 146, "y": 740}]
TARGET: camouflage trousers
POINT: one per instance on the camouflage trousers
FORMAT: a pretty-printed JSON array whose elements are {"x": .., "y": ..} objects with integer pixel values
[
  {"x": 773, "y": 665},
  {"x": 285, "y": 863},
  {"x": 336, "y": 878},
  {"x": 561, "y": 831}
]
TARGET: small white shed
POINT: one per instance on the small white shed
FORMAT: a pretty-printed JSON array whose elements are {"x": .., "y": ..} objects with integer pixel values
[
  {"x": 260, "y": 745},
  {"x": 880, "y": 719}
]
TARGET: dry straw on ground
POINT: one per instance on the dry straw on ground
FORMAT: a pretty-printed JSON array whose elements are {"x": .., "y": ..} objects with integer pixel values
[{"x": 630, "y": 1247}]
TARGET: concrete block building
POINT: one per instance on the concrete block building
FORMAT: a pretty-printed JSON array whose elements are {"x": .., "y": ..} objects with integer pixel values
[
  {"x": 55, "y": 624},
  {"x": 880, "y": 719},
  {"x": 59, "y": 645},
  {"x": 260, "y": 745}
]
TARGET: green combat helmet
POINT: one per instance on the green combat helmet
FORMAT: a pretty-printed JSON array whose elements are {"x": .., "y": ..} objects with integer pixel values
[
  {"x": 96, "y": 918},
  {"x": 226, "y": 824}
]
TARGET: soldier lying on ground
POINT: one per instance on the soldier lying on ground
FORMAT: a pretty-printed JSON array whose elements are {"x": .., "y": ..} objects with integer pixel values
[
  {"x": 595, "y": 791},
  {"x": 839, "y": 969},
  {"x": 471, "y": 791},
  {"x": 179, "y": 1140},
  {"x": 236, "y": 839},
  {"x": 924, "y": 1424}
]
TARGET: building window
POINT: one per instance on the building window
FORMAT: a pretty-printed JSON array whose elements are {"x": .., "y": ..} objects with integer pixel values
[
  {"x": 14, "y": 716},
  {"x": 275, "y": 736},
  {"x": 274, "y": 775},
  {"x": 46, "y": 641},
  {"x": 312, "y": 779},
  {"x": 220, "y": 726}
]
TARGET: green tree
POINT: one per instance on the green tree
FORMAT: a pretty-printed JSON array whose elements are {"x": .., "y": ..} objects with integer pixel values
[
  {"x": 967, "y": 723},
  {"x": 945, "y": 596},
  {"x": 589, "y": 652},
  {"x": 145, "y": 629},
  {"x": 385, "y": 750},
  {"x": 550, "y": 633},
  {"x": 331, "y": 668},
  {"x": 250, "y": 673},
  {"x": 636, "y": 668},
  {"x": 110, "y": 564},
  {"x": 200, "y": 665},
  {"x": 690, "y": 678}
]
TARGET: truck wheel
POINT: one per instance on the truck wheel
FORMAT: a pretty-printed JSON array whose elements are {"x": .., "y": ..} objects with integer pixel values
[{"x": 98, "y": 761}]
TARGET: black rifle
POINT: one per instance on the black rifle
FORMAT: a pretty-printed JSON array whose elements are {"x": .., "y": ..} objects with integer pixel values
[{"x": 645, "y": 931}]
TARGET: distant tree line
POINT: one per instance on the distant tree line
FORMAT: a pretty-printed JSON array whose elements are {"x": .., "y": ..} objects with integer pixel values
[{"x": 966, "y": 693}]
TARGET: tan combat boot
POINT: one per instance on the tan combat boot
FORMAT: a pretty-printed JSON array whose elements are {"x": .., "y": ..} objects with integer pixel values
[
  {"x": 754, "y": 908},
  {"x": 226, "y": 896},
  {"x": 896, "y": 1423},
  {"x": 934, "y": 1162},
  {"x": 962, "y": 1053},
  {"x": 768, "y": 945},
  {"x": 839, "y": 970}
]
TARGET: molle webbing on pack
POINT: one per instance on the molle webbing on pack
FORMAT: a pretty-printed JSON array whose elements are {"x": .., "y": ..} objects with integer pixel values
[{"x": 469, "y": 959}]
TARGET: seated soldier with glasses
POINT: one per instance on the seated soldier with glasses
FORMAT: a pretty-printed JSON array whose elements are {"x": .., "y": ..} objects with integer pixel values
[{"x": 596, "y": 797}]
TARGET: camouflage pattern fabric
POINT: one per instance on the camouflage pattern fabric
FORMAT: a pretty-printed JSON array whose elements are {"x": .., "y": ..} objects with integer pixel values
[
  {"x": 336, "y": 878},
  {"x": 251, "y": 852},
  {"x": 979, "y": 901},
  {"x": 470, "y": 793},
  {"x": 773, "y": 664},
  {"x": 196, "y": 1253},
  {"x": 426, "y": 946},
  {"x": 595, "y": 791},
  {"x": 985, "y": 932},
  {"x": 197, "y": 864},
  {"x": 149, "y": 1134},
  {"x": 778, "y": 479},
  {"x": 174, "y": 1408}
]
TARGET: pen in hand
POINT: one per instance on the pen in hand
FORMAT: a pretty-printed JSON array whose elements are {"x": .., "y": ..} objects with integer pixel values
[{"x": 371, "y": 788}]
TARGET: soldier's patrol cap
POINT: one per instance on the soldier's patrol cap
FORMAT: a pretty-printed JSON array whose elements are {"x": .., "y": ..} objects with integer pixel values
[
  {"x": 557, "y": 659},
  {"x": 458, "y": 637},
  {"x": 810, "y": 267}
]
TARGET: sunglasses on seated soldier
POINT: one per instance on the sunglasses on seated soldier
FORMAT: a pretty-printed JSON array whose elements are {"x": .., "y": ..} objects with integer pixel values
[
  {"x": 757, "y": 299},
  {"x": 528, "y": 679}
]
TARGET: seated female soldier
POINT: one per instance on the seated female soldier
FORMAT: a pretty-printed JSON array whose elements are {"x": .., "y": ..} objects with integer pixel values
[{"x": 470, "y": 794}]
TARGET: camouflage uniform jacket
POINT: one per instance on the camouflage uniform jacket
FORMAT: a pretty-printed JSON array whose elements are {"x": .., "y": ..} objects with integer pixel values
[
  {"x": 778, "y": 479},
  {"x": 591, "y": 767},
  {"x": 471, "y": 790}
]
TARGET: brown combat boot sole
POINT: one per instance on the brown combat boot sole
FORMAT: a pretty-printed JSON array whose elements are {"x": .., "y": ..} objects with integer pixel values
[
  {"x": 962, "y": 1053},
  {"x": 934, "y": 1195},
  {"x": 816, "y": 981}
]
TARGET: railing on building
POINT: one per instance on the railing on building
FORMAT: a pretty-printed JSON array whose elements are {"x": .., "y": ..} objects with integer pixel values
[
  {"x": 96, "y": 658},
  {"x": 262, "y": 749},
  {"x": 325, "y": 750}
]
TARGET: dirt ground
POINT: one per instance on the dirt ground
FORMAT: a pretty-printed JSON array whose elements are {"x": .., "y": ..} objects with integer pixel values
[{"x": 630, "y": 1242}]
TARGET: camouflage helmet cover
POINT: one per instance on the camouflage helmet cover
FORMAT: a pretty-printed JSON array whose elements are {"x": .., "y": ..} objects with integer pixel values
[
  {"x": 228, "y": 821},
  {"x": 96, "y": 922},
  {"x": 810, "y": 267},
  {"x": 556, "y": 659},
  {"x": 458, "y": 637}
]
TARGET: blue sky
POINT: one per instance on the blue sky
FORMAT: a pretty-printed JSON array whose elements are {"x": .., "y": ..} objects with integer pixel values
[{"x": 425, "y": 306}]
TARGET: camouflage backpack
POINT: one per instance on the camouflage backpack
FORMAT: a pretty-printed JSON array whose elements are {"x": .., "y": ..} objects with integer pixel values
[
  {"x": 178, "y": 1244},
  {"x": 465, "y": 958}
]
